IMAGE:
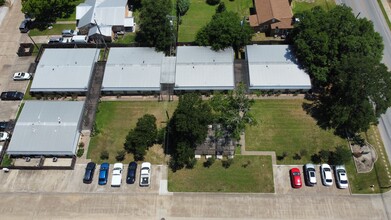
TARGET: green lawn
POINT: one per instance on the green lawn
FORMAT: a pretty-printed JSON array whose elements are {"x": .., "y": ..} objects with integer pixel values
[
  {"x": 256, "y": 177},
  {"x": 56, "y": 30},
  {"x": 127, "y": 38},
  {"x": 299, "y": 6},
  {"x": 200, "y": 13},
  {"x": 285, "y": 126},
  {"x": 72, "y": 16},
  {"x": 115, "y": 119},
  {"x": 360, "y": 182}
]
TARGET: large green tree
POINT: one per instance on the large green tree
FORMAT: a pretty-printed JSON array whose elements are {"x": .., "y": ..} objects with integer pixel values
[
  {"x": 48, "y": 10},
  {"x": 182, "y": 6},
  {"x": 141, "y": 137},
  {"x": 226, "y": 29},
  {"x": 155, "y": 29},
  {"x": 342, "y": 55},
  {"x": 187, "y": 129},
  {"x": 233, "y": 111}
]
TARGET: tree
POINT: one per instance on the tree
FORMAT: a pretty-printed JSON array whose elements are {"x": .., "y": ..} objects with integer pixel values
[
  {"x": 233, "y": 111},
  {"x": 155, "y": 28},
  {"x": 226, "y": 29},
  {"x": 342, "y": 55},
  {"x": 48, "y": 10},
  {"x": 187, "y": 129},
  {"x": 183, "y": 6},
  {"x": 341, "y": 155},
  {"x": 142, "y": 136},
  {"x": 321, "y": 39}
]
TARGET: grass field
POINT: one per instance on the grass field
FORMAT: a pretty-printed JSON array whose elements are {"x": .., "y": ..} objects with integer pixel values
[
  {"x": 115, "y": 119},
  {"x": 256, "y": 177},
  {"x": 299, "y": 6},
  {"x": 285, "y": 126},
  {"x": 56, "y": 30},
  {"x": 127, "y": 38},
  {"x": 200, "y": 13}
]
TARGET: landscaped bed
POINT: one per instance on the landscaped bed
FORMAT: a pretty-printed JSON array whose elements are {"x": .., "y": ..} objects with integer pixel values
[
  {"x": 246, "y": 174},
  {"x": 114, "y": 120}
]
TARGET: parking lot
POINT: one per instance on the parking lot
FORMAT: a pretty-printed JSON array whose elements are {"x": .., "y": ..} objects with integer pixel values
[
  {"x": 283, "y": 185},
  {"x": 71, "y": 181}
]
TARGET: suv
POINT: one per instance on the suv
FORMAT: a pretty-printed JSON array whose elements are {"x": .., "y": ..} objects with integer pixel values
[
  {"x": 11, "y": 95},
  {"x": 325, "y": 171},
  {"x": 89, "y": 174},
  {"x": 131, "y": 176},
  {"x": 145, "y": 174},
  {"x": 103, "y": 173},
  {"x": 24, "y": 26},
  {"x": 340, "y": 177},
  {"x": 309, "y": 174}
]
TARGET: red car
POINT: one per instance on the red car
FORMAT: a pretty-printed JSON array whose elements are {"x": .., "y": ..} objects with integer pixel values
[{"x": 295, "y": 178}]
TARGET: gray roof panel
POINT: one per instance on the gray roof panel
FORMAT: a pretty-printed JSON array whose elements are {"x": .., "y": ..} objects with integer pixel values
[{"x": 47, "y": 127}]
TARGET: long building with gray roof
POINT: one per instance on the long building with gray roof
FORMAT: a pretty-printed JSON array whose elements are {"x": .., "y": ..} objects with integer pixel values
[{"x": 47, "y": 128}]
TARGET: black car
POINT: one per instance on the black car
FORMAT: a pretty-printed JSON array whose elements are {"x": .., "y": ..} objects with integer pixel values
[
  {"x": 131, "y": 176},
  {"x": 89, "y": 174},
  {"x": 12, "y": 95},
  {"x": 3, "y": 125}
]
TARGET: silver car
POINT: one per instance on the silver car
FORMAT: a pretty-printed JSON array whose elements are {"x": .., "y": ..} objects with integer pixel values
[
  {"x": 310, "y": 174},
  {"x": 325, "y": 171},
  {"x": 340, "y": 177}
]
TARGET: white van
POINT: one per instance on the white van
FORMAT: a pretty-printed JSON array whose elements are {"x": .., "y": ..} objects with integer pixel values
[{"x": 80, "y": 39}]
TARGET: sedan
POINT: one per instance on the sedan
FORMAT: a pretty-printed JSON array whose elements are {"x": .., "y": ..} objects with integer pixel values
[
  {"x": 325, "y": 171},
  {"x": 145, "y": 174},
  {"x": 131, "y": 176},
  {"x": 3, "y": 125},
  {"x": 116, "y": 179},
  {"x": 11, "y": 95},
  {"x": 22, "y": 76},
  {"x": 4, "y": 136},
  {"x": 295, "y": 178},
  {"x": 309, "y": 174},
  {"x": 89, "y": 173},
  {"x": 103, "y": 173},
  {"x": 340, "y": 177}
]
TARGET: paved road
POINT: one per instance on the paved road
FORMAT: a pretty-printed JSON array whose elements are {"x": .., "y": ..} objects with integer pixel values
[{"x": 371, "y": 10}]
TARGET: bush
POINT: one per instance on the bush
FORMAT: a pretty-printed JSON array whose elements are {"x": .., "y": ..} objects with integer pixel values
[
  {"x": 104, "y": 155},
  {"x": 209, "y": 162},
  {"x": 81, "y": 145},
  {"x": 191, "y": 163},
  {"x": 120, "y": 155},
  {"x": 80, "y": 152},
  {"x": 7, "y": 161},
  {"x": 213, "y": 2},
  {"x": 227, "y": 163},
  {"x": 160, "y": 135}
]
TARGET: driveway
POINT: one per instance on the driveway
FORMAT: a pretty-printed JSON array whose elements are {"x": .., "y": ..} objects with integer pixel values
[{"x": 10, "y": 37}]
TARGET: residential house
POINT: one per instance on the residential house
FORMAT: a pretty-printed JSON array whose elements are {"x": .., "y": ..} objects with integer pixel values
[
  {"x": 102, "y": 19},
  {"x": 274, "y": 17}
]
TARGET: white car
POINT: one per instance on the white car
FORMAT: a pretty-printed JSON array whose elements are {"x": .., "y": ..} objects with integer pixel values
[
  {"x": 145, "y": 174},
  {"x": 21, "y": 76},
  {"x": 309, "y": 174},
  {"x": 4, "y": 136},
  {"x": 117, "y": 174},
  {"x": 340, "y": 177},
  {"x": 325, "y": 171}
]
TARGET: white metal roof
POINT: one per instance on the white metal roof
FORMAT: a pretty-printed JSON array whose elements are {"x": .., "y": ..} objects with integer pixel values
[
  {"x": 104, "y": 12},
  {"x": 64, "y": 70},
  {"x": 133, "y": 69},
  {"x": 274, "y": 67},
  {"x": 200, "y": 68},
  {"x": 167, "y": 75},
  {"x": 47, "y": 128}
]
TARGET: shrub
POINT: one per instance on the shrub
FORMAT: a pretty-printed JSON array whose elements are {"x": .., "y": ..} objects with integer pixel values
[
  {"x": 80, "y": 152},
  {"x": 227, "y": 163},
  {"x": 120, "y": 155},
  {"x": 209, "y": 162},
  {"x": 81, "y": 145},
  {"x": 104, "y": 154},
  {"x": 213, "y": 2},
  {"x": 191, "y": 163}
]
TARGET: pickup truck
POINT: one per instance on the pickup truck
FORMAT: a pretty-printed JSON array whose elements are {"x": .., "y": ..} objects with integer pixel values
[
  {"x": 145, "y": 174},
  {"x": 117, "y": 174}
]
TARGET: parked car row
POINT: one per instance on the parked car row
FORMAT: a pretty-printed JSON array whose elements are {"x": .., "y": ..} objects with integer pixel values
[
  {"x": 116, "y": 179},
  {"x": 325, "y": 173}
]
